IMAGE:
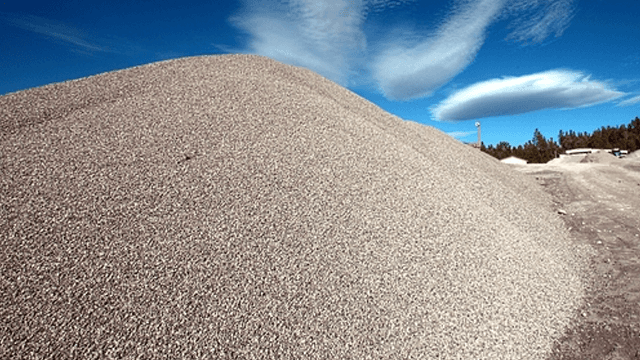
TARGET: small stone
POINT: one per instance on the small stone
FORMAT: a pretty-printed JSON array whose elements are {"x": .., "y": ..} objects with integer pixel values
[{"x": 562, "y": 212}]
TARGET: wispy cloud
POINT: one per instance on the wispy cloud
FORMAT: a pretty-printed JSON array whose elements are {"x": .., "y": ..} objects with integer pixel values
[
  {"x": 555, "y": 89},
  {"x": 460, "y": 134},
  {"x": 535, "y": 20},
  {"x": 324, "y": 36},
  {"x": 632, "y": 101},
  {"x": 54, "y": 30}
]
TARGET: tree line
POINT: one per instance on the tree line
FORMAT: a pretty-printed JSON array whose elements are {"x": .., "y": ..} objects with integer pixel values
[{"x": 540, "y": 149}]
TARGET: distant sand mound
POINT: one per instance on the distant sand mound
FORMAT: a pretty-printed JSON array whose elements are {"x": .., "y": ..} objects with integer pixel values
[
  {"x": 600, "y": 157},
  {"x": 568, "y": 159},
  {"x": 234, "y": 207},
  {"x": 634, "y": 155}
]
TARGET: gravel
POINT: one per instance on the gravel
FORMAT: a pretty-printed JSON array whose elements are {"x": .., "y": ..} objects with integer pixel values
[{"x": 235, "y": 207}]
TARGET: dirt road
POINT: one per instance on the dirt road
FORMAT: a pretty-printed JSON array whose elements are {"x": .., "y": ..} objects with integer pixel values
[{"x": 600, "y": 203}]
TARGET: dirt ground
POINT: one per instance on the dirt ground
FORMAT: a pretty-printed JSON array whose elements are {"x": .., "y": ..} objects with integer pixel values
[{"x": 600, "y": 203}]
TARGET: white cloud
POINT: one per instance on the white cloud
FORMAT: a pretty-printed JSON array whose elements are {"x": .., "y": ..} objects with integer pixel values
[
  {"x": 632, "y": 101},
  {"x": 410, "y": 72},
  {"x": 555, "y": 89},
  {"x": 327, "y": 36},
  {"x": 54, "y": 30}
]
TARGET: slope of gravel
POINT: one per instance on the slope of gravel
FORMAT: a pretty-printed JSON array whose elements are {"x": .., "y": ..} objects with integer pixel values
[{"x": 235, "y": 207}]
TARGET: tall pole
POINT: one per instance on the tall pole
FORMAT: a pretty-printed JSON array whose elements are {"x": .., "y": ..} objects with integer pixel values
[{"x": 479, "y": 141}]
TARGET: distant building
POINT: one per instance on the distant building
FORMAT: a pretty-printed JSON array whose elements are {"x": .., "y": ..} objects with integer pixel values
[
  {"x": 514, "y": 161},
  {"x": 585, "y": 151},
  {"x": 581, "y": 151}
]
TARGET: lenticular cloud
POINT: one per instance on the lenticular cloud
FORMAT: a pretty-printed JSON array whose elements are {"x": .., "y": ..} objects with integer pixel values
[{"x": 555, "y": 89}]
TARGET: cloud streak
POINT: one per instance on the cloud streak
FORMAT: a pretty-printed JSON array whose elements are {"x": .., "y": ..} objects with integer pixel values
[
  {"x": 54, "y": 30},
  {"x": 461, "y": 134},
  {"x": 632, "y": 101},
  {"x": 555, "y": 89},
  {"x": 538, "y": 19}
]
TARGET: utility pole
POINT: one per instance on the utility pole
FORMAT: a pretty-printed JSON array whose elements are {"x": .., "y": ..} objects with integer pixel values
[{"x": 479, "y": 141}]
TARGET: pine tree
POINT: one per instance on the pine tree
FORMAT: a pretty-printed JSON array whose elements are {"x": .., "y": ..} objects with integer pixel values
[{"x": 539, "y": 149}]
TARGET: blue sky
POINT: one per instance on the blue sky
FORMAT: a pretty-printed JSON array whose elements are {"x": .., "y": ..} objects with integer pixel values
[{"x": 513, "y": 65}]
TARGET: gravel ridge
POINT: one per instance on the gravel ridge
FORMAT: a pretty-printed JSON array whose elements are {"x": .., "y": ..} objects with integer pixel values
[{"x": 235, "y": 207}]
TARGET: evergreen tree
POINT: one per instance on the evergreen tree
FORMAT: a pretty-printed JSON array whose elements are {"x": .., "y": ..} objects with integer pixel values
[{"x": 539, "y": 149}]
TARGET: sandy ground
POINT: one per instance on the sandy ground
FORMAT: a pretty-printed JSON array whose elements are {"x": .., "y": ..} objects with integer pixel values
[{"x": 602, "y": 202}]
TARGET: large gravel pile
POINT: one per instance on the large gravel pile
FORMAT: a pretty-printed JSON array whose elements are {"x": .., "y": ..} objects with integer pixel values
[{"x": 235, "y": 207}]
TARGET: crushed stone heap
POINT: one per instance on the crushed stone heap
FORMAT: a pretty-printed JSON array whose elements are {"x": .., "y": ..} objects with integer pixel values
[{"x": 235, "y": 207}]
